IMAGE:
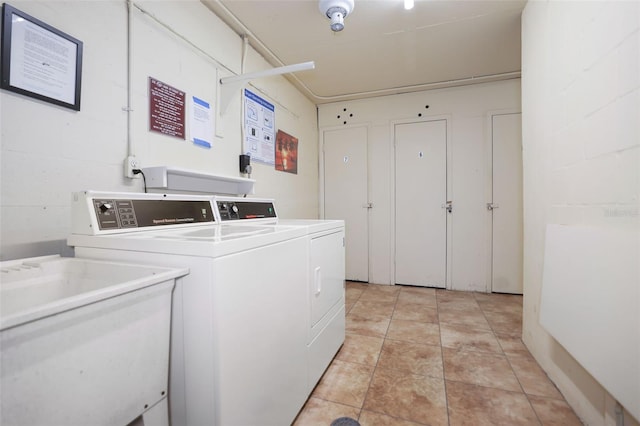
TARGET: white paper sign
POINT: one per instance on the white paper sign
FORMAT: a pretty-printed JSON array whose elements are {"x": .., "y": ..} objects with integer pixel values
[
  {"x": 42, "y": 62},
  {"x": 259, "y": 133},
  {"x": 201, "y": 122}
]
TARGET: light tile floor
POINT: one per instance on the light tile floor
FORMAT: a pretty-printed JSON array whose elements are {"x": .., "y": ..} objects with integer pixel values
[{"x": 420, "y": 356}]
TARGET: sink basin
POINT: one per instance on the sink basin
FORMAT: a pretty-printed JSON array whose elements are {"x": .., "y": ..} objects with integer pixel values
[
  {"x": 83, "y": 341},
  {"x": 38, "y": 287}
]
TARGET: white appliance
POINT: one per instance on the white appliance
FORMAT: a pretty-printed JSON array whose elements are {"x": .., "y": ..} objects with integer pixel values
[
  {"x": 240, "y": 318},
  {"x": 325, "y": 274},
  {"x": 68, "y": 329}
]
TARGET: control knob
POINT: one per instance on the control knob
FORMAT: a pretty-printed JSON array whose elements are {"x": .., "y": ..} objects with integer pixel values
[{"x": 105, "y": 206}]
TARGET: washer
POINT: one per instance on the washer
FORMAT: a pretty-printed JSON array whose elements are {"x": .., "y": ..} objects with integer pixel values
[
  {"x": 325, "y": 273},
  {"x": 240, "y": 319}
]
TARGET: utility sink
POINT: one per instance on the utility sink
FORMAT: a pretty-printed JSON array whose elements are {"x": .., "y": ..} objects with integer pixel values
[{"x": 83, "y": 341}]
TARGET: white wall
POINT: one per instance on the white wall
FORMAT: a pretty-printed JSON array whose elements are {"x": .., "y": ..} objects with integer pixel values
[
  {"x": 468, "y": 110},
  {"x": 49, "y": 151},
  {"x": 581, "y": 139}
]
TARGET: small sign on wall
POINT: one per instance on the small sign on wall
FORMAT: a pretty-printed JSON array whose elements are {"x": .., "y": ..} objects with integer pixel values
[
  {"x": 286, "y": 152},
  {"x": 259, "y": 118},
  {"x": 166, "y": 109},
  {"x": 40, "y": 61},
  {"x": 201, "y": 122}
]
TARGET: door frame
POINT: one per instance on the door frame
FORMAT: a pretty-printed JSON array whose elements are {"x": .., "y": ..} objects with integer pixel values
[
  {"x": 321, "y": 176},
  {"x": 449, "y": 193},
  {"x": 489, "y": 190}
]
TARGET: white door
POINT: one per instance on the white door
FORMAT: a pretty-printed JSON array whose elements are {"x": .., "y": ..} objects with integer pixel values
[
  {"x": 420, "y": 201},
  {"x": 345, "y": 194},
  {"x": 506, "y": 208}
]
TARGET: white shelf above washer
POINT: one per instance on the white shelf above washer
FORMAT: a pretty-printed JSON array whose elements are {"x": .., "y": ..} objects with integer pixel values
[{"x": 175, "y": 179}]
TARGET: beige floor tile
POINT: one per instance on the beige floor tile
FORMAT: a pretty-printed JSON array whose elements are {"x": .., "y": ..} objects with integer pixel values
[
  {"x": 378, "y": 296},
  {"x": 417, "y": 291},
  {"x": 533, "y": 379},
  {"x": 452, "y": 294},
  {"x": 418, "y": 295},
  {"x": 381, "y": 293},
  {"x": 320, "y": 412},
  {"x": 464, "y": 338},
  {"x": 420, "y": 399},
  {"x": 471, "y": 319},
  {"x": 413, "y": 331},
  {"x": 366, "y": 308},
  {"x": 553, "y": 412},
  {"x": 415, "y": 358},
  {"x": 344, "y": 383},
  {"x": 467, "y": 305},
  {"x": 498, "y": 305},
  {"x": 410, "y": 311},
  {"x": 356, "y": 284},
  {"x": 471, "y": 405},
  {"x": 478, "y": 368},
  {"x": 460, "y": 300},
  {"x": 352, "y": 295},
  {"x": 367, "y": 326},
  {"x": 369, "y": 418},
  {"x": 506, "y": 323},
  {"x": 360, "y": 349},
  {"x": 512, "y": 345}
]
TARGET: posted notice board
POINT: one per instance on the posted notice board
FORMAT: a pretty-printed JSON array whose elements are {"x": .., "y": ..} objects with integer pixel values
[{"x": 259, "y": 133}]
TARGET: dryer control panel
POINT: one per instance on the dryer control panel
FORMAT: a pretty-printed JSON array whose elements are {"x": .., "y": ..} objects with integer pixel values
[
  {"x": 103, "y": 212},
  {"x": 121, "y": 214},
  {"x": 244, "y": 209}
]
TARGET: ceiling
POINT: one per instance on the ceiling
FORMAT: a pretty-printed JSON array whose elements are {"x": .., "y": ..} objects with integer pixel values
[{"x": 383, "y": 48}]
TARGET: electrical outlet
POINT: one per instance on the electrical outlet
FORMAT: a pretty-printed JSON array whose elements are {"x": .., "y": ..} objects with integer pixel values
[{"x": 130, "y": 163}]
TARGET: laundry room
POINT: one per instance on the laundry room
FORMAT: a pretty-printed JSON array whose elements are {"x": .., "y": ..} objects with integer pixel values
[{"x": 455, "y": 184}]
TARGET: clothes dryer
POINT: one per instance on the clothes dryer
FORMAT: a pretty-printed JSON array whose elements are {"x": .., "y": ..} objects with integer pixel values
[
  {"x": 239, "y": 319},
  {"x": 325, "y": 260}
]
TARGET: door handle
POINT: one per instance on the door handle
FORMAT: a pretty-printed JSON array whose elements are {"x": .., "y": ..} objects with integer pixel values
[
  {"x": 448, "y": 205},
  {"x": 367, "y": 206},
  {"x": 491, "y": 206},
  {"x": 318, "y": 280}
]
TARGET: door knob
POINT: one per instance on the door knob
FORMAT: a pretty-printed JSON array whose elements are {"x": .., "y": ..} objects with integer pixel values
[
  {"x": 491, "y": 206},
  {"x": 449, "y": 206}
]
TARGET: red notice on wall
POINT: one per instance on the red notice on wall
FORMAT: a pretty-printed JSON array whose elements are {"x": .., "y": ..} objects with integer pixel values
[
  {"x": 166, "y": 109},
  {"x": 286, "y": 152}
]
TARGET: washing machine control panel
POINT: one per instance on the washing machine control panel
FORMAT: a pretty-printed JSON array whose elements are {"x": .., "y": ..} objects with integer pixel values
[
  {"x": 245, "y": 209},
  {"x": 114, "y": 214}
]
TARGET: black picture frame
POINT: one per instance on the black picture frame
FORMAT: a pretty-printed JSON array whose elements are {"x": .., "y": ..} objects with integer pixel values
[{"x": 40, "y": 61}]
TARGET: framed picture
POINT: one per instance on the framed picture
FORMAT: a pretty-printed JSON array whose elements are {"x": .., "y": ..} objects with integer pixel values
[
  {"x": 40, "y": 61},
  {"x": 286, "y": 153}
]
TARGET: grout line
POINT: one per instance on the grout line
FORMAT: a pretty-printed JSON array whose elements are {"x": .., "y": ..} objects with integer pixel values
[
  {"x": 509, "y": 362},
  {"x": 375, "y": 367},
  {"x": 444, "y": 375}
]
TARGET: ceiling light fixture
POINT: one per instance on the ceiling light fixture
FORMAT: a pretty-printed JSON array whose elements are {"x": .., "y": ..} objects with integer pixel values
[
  {"x": 408, "y": 4},
  {"x": 336, "y": 10}
]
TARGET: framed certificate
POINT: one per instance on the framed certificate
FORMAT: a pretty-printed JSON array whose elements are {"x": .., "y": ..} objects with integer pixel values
[{"x": 40, "y": 61}]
